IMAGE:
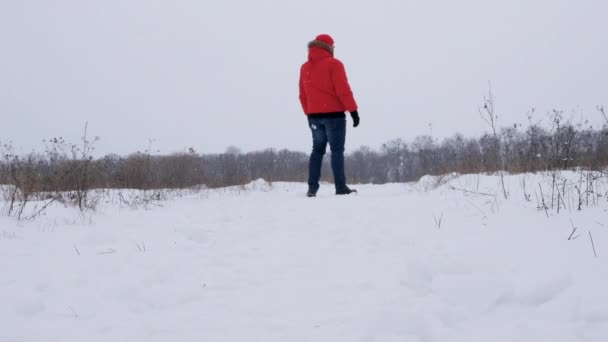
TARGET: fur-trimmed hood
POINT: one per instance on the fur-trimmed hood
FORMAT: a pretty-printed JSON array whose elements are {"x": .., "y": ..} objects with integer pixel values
[{"x": 322, "y": 45}]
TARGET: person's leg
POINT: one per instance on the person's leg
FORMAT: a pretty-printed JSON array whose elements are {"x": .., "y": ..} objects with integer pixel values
[
  {"x": 336, "y": 134},
  {"x": 319, "y": 146}
]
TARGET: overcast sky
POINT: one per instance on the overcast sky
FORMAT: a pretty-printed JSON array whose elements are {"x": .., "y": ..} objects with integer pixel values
[{"x": 211, "y": 74}]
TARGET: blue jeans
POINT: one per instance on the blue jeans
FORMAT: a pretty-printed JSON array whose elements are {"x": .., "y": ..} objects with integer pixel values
[{"x": 331, "y": 130}]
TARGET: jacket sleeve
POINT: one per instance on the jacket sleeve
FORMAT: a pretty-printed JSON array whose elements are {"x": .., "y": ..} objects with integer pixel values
[
  {"x": 302, "y": 93},
  {"x": 342, "y": 87}
]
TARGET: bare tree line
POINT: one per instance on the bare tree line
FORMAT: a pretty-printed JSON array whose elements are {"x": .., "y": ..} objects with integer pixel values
[{"x": 70, "y": 170}]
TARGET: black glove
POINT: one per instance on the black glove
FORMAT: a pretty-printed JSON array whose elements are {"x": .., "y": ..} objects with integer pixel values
[{"x": 355, "y": 116}]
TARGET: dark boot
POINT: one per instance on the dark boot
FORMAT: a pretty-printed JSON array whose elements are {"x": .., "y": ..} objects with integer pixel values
[{"x": 346, "y": 191}]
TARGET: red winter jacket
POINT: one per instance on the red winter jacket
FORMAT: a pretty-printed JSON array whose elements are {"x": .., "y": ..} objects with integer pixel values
[{"x": 324, "y": 86}]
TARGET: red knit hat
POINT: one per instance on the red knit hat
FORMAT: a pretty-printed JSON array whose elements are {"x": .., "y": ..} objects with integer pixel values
[{"x": 325, "y": 38}]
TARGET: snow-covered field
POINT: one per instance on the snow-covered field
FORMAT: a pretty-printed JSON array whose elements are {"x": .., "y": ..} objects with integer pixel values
[{"x": 398, "y": 262}]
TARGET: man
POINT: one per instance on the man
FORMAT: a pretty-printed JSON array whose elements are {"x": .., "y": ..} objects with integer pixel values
[{"x": 325, "y": 95}]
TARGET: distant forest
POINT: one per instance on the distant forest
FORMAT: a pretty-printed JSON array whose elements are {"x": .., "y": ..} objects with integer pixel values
[{"x": 561, "y": 144}]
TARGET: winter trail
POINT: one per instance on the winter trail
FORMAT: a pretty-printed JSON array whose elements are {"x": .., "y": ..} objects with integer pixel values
[{"x": 394, "y": 263}]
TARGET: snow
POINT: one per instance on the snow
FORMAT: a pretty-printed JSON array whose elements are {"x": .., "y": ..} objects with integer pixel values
[{"x": 264, "y": 263}]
